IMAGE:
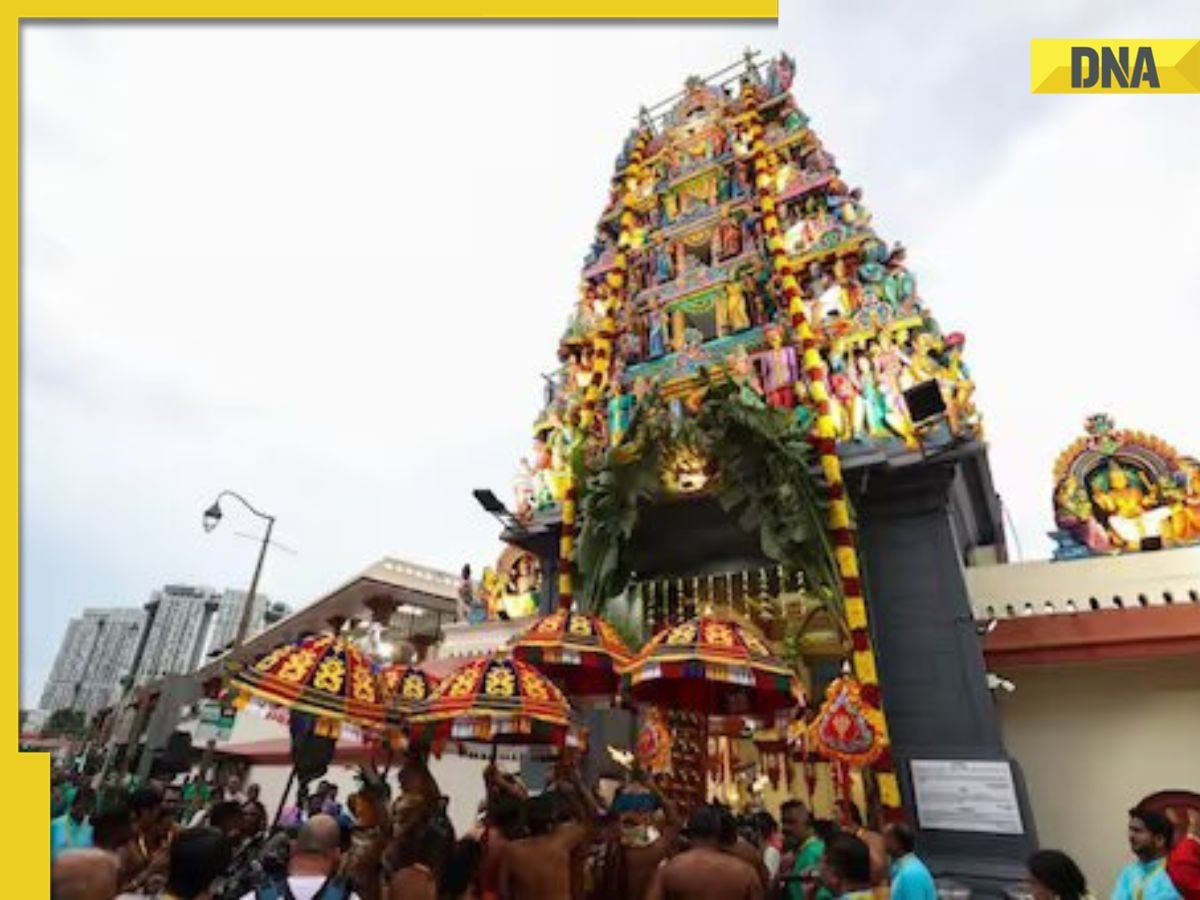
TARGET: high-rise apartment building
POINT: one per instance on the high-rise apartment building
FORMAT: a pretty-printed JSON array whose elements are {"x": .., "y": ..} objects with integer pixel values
[
  {"x": 187, "y": 622},
  {"x": 96, "y": 653}
]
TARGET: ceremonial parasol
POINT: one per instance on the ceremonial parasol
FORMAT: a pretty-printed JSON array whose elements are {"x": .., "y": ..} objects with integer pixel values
[
  {"x": 713, "y": 665},
  {"x": 323, "y": 675},
  {"x": 405, "y": 687},
  {"x": 494, "y": 700},
  {"x": 582, "y": 653}
]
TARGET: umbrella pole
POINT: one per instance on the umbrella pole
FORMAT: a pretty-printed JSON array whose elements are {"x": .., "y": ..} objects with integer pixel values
[{"x": 287, "y": 789}]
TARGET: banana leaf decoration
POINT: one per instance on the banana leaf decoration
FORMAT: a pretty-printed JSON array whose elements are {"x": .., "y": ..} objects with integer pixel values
[{"x": 763, "y": 479}]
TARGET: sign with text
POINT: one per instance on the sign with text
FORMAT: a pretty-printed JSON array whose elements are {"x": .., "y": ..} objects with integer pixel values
[
  {"x": 1115, "y": 65},
  {"x": 215, "y": 722},
  {"x": 966, "y": 795}
]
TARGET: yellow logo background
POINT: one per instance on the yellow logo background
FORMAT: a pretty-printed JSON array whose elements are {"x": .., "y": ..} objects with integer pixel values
[{"x": 1176, "y": 60}]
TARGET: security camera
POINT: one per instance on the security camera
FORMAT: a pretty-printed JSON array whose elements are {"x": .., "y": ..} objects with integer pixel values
[
  {"x": 995, "y": 682},
  {"x": 986, "y": 628}
]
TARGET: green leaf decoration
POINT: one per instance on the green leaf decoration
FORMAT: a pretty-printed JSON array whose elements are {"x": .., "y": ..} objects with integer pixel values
[{"x": 763, "y": 477}]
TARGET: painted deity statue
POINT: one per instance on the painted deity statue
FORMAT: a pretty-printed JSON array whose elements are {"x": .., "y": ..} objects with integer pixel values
[
  {"x": 923, "y": 366},
  {"x": 891, "y": 375},
  {"x": 1132, "y": 509},
  {"x": 539, "y": 473},
  {"x": 1077, "y": 515},
  {"x": 657, "y": 334},
  {"x": 523, "y": 489},
  {"x": 664, "y": 267},
  {"x": 620, "y": 409},
  {"x": 737, "y": 318},
  {"x": 779, "y": 370},
  {"x": 958, "y": 388},
  {"x": 741, "y": 371},
  {"x": 1184, "y": 525},
  {"x": 848, "y": 208},
  {"x": 631, "y": 345},
  {"x": 845, "y": 401},
  {"x": 897, "y": 286},
  {"x": 726, "y": 240},
  {"x": 780, "y": 73},
  {"x": 871, "y": 414}
]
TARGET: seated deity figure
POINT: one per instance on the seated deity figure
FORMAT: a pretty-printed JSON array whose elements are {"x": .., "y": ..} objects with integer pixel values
[{"x": 1133, "y": 512}]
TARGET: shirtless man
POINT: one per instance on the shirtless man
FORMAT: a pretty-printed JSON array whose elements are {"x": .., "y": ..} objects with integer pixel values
[
  {"x": 643, "y": 840},
  {"x": 143, "y": 861},
  {"x": 420, "y": 798},
  {"x": 539, "y": 867},
  {"x": 880, "y": 866},
  {"x": 84, "y": 875},
  {"x": 706, "y": 871},
  {"x": 419, "y": 880},
  {"x": 502, "y": 824}
]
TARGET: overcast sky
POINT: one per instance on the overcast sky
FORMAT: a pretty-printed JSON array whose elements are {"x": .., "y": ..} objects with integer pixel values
[{"x": 325, "y": 264}]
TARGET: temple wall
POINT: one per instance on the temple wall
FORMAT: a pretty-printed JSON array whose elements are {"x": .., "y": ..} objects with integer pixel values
[{"x": 1093, "y": 739}]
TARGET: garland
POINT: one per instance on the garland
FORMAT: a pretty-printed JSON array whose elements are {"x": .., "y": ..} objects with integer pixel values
[
  {"x": 841, "y": 529},
  {"x": 602, "y": 341}
]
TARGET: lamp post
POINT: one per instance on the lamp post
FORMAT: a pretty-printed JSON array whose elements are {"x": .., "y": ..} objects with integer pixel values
[{"x": 212, "y": 518}]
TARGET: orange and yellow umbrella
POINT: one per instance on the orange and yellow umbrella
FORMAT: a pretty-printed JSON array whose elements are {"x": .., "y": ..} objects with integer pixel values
[
  {"x": 583, "y": 654},
  {"x": 713, "y": 665},
  {"x": 323, "y": 675}
]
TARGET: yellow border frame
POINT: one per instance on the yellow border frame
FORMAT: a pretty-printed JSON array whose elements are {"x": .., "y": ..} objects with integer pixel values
[{"x": 29, "y": 773}]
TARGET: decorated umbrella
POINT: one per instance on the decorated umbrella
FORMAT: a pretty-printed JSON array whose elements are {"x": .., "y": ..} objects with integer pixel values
[
  {"x": 495, "y": 700},
  {"x": 322, "y": 680},
  {"x": 405, "y": 688},
  {"x": 582, "y": 653},
  {"x": 713, "y": 665},
  {"x": 325, "y": 676}
]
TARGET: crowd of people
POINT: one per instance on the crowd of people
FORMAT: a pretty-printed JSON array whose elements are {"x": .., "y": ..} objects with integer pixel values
[{"x": 197, "y": 841}]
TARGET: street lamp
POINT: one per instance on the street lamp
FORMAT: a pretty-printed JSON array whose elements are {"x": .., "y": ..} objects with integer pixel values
[{"x": 212, "y": 518}]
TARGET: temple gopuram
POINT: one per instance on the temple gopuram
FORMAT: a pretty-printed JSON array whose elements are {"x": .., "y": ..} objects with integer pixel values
[{"x": 756, "y": 415}]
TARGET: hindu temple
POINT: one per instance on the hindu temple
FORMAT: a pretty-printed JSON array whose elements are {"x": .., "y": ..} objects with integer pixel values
[{"x": 756, "y": 414}]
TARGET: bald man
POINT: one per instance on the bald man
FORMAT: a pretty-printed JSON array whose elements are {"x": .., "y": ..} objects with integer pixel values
[
  {"x": 313, "y": 867},
  {"x": 84, "y": 875}
]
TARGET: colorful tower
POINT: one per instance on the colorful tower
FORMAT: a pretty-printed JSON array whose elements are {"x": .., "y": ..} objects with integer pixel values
[{"x": 746, "y": 359}]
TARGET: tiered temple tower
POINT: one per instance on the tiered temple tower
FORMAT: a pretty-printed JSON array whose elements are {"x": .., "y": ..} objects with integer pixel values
[{"x": 737, "y": 302}]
